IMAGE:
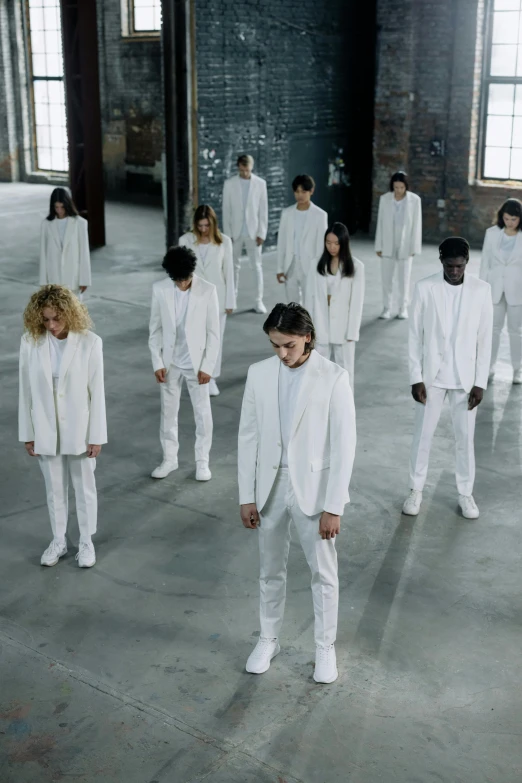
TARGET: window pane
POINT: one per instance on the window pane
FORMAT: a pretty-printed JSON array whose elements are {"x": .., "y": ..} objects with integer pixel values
[
  {"x": 496, "y": 163},
  {"x": 517, "y": 132},
  {"x": 501, "y": 98},
  {"x": 516, "y": 165},
  {"x": 39, "y": 65},
  {"x": 54, "y": 64},
  {"x": 505, "y": 27},
  {"x": 44, "y": 158},
  {"x": 507, "y": 5},
  {"x": 43, "y": 136},
  {"x": 144, "y": 19},
  {"x": 503, "y": 60},
  {"x": 519, "y": 65},
  {"x": 36, "y": 19},
  {"x": 499, "y": 131},
  {"x": 518, "y": 100},
  {"x": 52, "y": 18}
]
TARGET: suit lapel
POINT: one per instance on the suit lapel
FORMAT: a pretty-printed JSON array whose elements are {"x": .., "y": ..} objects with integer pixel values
[
  {"x": 467, "y": 299},
  {"x": 517, "y": 249},
  {"x": 192, "y": 302},
  {"x": 308, "y": 223},
  {"x": 69, "y": 231},
  {"x": 55, "y": 231},
  {"x": 437, "y": 291},
  {"x": 44, "y": 356},
  {"x": 170, "y": 296},
  {"x": 312, "y": 375},
  {"x": 70, "y": 348}
]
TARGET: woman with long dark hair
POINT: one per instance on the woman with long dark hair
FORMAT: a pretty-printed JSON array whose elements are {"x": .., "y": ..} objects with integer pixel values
[
  {"x": 64, "y": 245},
  {"x": 213, "y": 250},
  {"x": 334, "y": 299},
  {"x": 501, "y": 267}
]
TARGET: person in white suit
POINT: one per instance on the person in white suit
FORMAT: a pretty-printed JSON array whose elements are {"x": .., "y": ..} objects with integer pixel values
[
  {"x": 296, "y": 449},
  {"x": 64, "y": 245},
  {"x": 300, "y": 240},
  {"x": 335, "y": 297},
  {"x": 215, "y": 264},
  {"x": 397, "y": 239},
  {"x": 245, "y": 220},
  {"x": 61, "y": 416},
  {"x": 501, "y": 267},
  {"x": 449, "y": 353},
  {"x": 184, "y": 345}
]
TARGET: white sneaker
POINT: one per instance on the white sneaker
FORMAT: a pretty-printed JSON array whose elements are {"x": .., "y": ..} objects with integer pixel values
[
  {"x": 517, "y": 376},
  {"x": 203, "y": 471},
  {"x": 86, "y": 556},
  {"x": 403, "y": 314},
  {"x": 260, "y": 308},
  {"x": 325, "y": 664},
  {"x": 412, "y": 503},
  {"x": 213, "y": 389},
  {"x": 468, "y": 507},
  {"x": 260, "y": 657},
  {"x": 166, "y": 467},
  {"x": 385, "y": 315},
  {"x": 53, "y": 553}
]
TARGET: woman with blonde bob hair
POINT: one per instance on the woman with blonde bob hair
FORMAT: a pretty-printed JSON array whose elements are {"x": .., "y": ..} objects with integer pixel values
[
  {"x": 216, "y": 265},
  {"x": 62, "y": 411}
]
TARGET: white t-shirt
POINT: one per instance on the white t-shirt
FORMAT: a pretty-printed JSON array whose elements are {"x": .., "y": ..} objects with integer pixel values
[
  {"x": 57, "y": 350},
  {"x": 333, "y": 282},
  {"x": 507, "y": 245},
  {"x": 245, "y": 189},
  {"x": 62, "y": 228},
  {"x": 290, "y": 381},
  {"x": 300, "y": 218},
  {"x": 398, "y": 223},
  {"x": 203, "y": 252},
  {"x": 181, "y": 352},
  {"x": 448, "y": 375}
]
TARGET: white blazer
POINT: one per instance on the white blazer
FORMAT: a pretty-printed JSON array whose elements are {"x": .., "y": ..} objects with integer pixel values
[
  {"x": 312, "y": 240},
  {"x": 504, "y": 276},
  {"x": 201, "y": 327},
  {"x": 322, "y": 444},
  {"x": 217, "y": 268},
  {"x": 427, "y": 331},
  {"x": 79, "y": 413},
  {"x": 411, "y": 241},
  {"x": 341, "y": 320},
  {"x": 70, "y": 265},
  {"x": 256, "y": 207}
]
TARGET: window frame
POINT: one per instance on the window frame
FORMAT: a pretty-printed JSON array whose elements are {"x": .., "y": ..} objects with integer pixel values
[{"x": 128, "y": 31}]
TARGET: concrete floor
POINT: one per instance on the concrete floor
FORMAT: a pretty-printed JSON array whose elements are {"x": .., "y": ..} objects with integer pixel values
[{"x": 134, "y": 671}]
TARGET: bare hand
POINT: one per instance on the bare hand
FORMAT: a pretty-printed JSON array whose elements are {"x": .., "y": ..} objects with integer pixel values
[
  {"x": 418, "y": 392},
  {"x": 203, "y": 378},
  {"x": 29, "y": 447},
  {"x": 228, "y": 312},
  {"x": 329, "y": 525},
  {"x": 83, "y": 289},
  {"x": 281, "y": 277},
  {"x": 249, "y": 515},
  {"x": 161, "y": 375},
  {"x": 475, "y": 397},
  {"x": 259, "y": 241},
  {"x": 92, "y": 450},
  {"x": 379, "y": 253}
]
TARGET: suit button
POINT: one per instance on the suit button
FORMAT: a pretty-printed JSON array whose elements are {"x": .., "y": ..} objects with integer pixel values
[{"x": 276, "y": 467}]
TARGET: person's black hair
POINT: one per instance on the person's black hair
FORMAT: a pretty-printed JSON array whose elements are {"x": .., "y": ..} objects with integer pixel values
[
  {"x": 180, "y": 262},
  {"x": 399, "y": 176},
  {"x": 291, "y": 319},
  {"x": 454, "y": 247},
  {"x": 244, "y": 160},
  {"x": 305, "y": 180},
  {"x": 61, "y": 196},
  {"x": 513, "y": 207},
  {"x": 324, "y": 267}
]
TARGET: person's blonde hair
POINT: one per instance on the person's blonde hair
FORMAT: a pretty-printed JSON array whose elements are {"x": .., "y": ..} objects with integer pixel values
[
  {"x": 61, "y": 299},
  {"x": 205, "y": 212}
]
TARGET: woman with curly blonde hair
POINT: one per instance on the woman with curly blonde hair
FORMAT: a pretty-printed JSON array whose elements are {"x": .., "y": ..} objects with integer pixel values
[{"x": 62, "y": 411}]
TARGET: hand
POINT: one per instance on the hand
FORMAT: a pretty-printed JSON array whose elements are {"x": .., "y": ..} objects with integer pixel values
[
  {"x": 475, "y": 397},
  {"x": 29, "y": 447},
  {"x": 418, "y": 392},
  {"x": 329, "y": 525},
  {"x": 379, "y": 253},
  {"x": 281, "y": 277},
  {"x": 92, "y": 450},
  {"x": 349, "y": 341},
  {"x": 259, "y": 241},
  {"x": 249, "y": 515},
  {"x": 229, "y": 311},
  {"x": 83, "y": 289},
  {"x": 161, "y": 375},
  {"x": 203, "y": 378}
]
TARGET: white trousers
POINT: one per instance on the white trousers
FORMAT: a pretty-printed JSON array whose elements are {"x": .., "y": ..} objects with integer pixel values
[
  {"x": 200, "y": 398},
  {"x": 56, "y": 472},
  {"x": 514, "y": 326},
  {"x": 274, "y": 545},
  {"x": 426, "y": 420},
  {"x": 254, "y": 253},
  {"x": 402, "y": 268},
  {"x": 342, "y": 354},
  {"x": 295, "y": 282},
  {"x": 222, "y": 324}
]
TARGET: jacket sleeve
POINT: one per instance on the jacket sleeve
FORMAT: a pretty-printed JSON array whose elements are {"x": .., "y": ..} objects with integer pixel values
[
  {"x": 210, "y": 356},
  {"x": 416, "y": 229},
  {"x": 485, "y": 259},
  {"x": 416, "y": 337},
  {"x": 228, "y": 271},
  {"x": 97, "y": 419},
  {"x": 25, "y": 421},
  {"x": 84, "y": 253},
  {"x": 484, "y": 340},
  {"x": 247, "y": 445},
  {"x": 356, "y": 304},
  {"x": 155, "y": 334},
  {"x": 281, "y": 243},
  {"x": 227, "y": 209},
  {"x": 343, "y": 438},
  {"x": 43, "y": 255},
  {"x": 379, "y": 230},
  {"x": 310, "y": 294},
  {"x": 262, "y": 221}
]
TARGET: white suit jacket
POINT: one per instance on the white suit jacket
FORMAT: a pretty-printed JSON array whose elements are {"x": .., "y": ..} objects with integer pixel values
[
  {"x": 411, "y": 241},
  {"x": 322, "y": 444},
  {"x": 341, "y": 320},
  {"x": 312, "y": 240},
  {"x": 217, "y": 268},
  {"x": 256, "y": 207},
  {"x": 201, "y": 327},
  {"x": 504, "y": 276},
  {"x": 80, "y": 408},
  {"x": 427, "y": 331},
  {"x": 70, "y": 265}
]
